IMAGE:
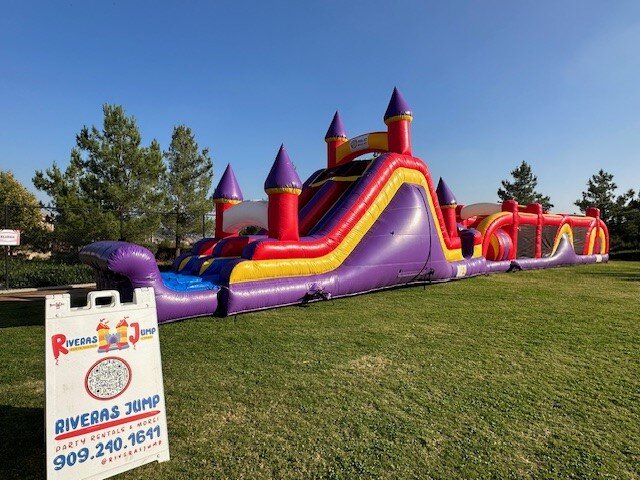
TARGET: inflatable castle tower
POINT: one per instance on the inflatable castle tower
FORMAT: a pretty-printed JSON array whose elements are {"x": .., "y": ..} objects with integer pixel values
[{"x": 357, "y": 225}]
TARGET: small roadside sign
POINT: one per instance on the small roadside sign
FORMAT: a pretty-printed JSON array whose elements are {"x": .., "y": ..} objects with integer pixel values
[
  {"x": 10, "y": 238},
  {"x": 105, "y": 408}
]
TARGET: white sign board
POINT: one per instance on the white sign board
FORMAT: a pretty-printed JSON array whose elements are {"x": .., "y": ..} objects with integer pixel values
[
  {"x": 10, "y": 237},
  {"x": 105, "y": 397},
  {"x": 359, "y": 143}
]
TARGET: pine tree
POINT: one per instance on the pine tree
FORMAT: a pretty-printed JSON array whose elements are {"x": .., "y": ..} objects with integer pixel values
[
  {"x": 630, "y": 231},
  {"x": 621, "y": 213},
  {"x": 112, "y": 187},
  {"x": 600, "y": 193},
  {"x": 190, "y": 172},
  {"x": 523, "y": 188}
]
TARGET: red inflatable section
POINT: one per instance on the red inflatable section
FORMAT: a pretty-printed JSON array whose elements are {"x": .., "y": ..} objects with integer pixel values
[
  {"x": 322, "y": 246},
  {"x": 330, "y": 194},
  {"x": 283, "y": 216}
]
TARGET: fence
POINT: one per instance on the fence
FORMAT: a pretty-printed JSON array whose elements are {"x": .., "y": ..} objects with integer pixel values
[{"x": 56, "y": 234}]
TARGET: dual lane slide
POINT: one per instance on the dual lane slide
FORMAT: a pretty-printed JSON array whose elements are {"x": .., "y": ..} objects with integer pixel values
[
  {"x": 374, "y": 229},
  {"x": 354, "y": 227}
]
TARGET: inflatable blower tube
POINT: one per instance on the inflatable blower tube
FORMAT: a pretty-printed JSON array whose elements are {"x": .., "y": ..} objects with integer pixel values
[
  {"x": 246, "y": 214},
  {"x": 479, "y": 209}
]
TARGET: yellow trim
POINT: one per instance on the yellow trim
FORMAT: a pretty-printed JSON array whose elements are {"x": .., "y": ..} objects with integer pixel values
[
  {"x": 564, "y": 229},
  {"x": 493, "y": 241},
  {"x": 184, "y": 262},
  {"x": 484, "y": 224},
  {"x": 397, "y": 118},
  {"x": 352, "y": 178},
  {"x": 603, "y": 241},
  {"x": 375, "y": 141},
  {"x": 293, "y": 190},
  {"x": 210, "y": 261},
  {"x": 225, "y": 200},
  {"x": 592, "y": 241},
  {"x": 206, "y": 264},
  {"x": 83, "y": 347},
  {"x": 299, "y": 267},
  {"x": 335, "y": 139}
]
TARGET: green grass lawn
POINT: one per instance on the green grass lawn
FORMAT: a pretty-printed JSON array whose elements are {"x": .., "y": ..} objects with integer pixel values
[{"x": 530, "y": 374}]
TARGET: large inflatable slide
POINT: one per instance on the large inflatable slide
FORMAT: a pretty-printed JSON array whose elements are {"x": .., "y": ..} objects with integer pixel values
[{"x": 353, "y": 227}]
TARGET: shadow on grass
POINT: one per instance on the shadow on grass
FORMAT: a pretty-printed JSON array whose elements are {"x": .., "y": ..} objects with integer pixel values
[
  {"x": 626, "y": 274},
  {"x": 21, "y": 312},
  {"x": 22, "y": 447},
  {"x": 27, "y": 310}
]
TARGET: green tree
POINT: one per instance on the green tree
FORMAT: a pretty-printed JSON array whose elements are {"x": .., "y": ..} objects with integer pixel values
[
  {"x": 22, "y": 211},
  {"x": 19, "y": 205},
  {"x": 601, "y": 193},
  {"x": 621, "y": 213},
  {"x": 188, "y": 181},
  {"x": 112, "y": 187},
  {"x": 523, "y": 188},
  {"x": 630, "y": 231}
]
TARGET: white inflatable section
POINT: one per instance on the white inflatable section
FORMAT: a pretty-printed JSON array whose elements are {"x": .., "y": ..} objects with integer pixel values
[
  {"x": 479, "y": 209},
  {"x": 246, "y": 214}
]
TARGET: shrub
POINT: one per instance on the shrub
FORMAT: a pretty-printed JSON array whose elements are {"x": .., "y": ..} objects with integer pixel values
[
  {"x": 630, "y": 255},
  {"x": 45, "y": 273}
]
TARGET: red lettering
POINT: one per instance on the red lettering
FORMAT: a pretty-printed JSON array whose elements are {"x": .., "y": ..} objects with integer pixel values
[
  {"x": 136, "y": 333},
  {"x": 57, "y": 343}
]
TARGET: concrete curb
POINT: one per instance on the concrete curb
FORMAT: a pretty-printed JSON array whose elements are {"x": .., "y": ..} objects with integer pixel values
[{"x": 45, "y": 289}]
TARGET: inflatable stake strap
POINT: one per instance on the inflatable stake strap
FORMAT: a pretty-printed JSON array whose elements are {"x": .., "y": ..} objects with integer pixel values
[{"x": 105, "y": 397}]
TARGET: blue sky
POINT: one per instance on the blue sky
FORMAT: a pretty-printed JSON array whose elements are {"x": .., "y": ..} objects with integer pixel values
[{"x": 491, "y": 83}]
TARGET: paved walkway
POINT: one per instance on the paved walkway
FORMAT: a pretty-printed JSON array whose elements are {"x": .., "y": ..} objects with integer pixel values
[{"x": 34, "y": 294}]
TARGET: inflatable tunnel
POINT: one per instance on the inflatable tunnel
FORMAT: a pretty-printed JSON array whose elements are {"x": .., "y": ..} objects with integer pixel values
[{"x": 355, "y": 226}]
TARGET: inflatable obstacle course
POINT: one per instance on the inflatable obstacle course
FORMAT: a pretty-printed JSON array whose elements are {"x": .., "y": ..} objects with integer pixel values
[{"x": 355, "y": 226}]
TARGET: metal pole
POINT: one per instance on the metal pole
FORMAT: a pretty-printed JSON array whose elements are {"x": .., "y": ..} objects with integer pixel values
[
  {"x": 177, "y": 249},
  {"x": 6, "y": 249}
]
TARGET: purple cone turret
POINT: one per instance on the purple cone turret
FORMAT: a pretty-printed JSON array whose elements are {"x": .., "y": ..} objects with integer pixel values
[
  {"x": 228, "y": 188},
  {"x": 445, "y": 195},
  {"x": 448, "y": 206},
  {"x": 226, "y": 195},
  {"x": 398, "y": 107},
  {"x": 283, "y": 186},
  {"x": 336, "y": 129},
  {"x": 283, "y": 176},
  {"x": 398, "y": 118},
  {"x": 336, "y": 136}
]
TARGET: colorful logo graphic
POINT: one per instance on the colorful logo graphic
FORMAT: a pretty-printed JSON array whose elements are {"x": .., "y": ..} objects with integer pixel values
[
  {"x": 109, "y": 340},
  {"x": 106, "y": 339}
]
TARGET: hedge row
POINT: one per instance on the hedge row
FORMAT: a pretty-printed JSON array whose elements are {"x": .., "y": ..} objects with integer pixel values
[
  {"x": 44, "y": 273},
  {"x": 631, "y": 255}
]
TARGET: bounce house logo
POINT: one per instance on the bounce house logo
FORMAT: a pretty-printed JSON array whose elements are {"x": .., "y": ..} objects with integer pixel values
[
  {"x": 106, "y": 340},
  {"x": 359, "y": 143},
  {"x": 109, "y": 340}
]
